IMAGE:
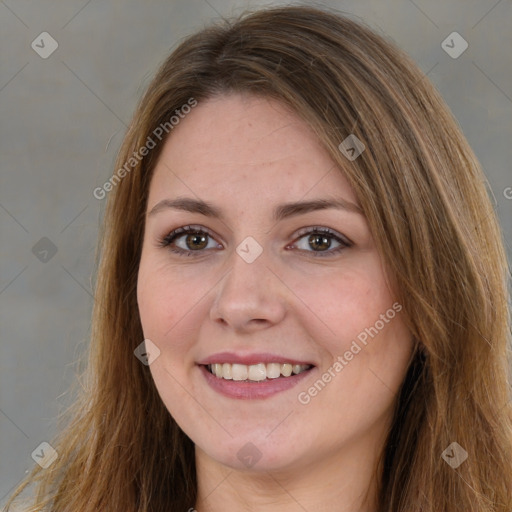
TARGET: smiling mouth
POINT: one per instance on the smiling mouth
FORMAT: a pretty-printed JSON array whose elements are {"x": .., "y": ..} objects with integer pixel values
[{"x": 256, "y": 372}]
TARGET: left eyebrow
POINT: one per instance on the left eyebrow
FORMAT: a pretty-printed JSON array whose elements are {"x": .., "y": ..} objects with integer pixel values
[
  {"x": 282, "y": 211},
  {"x": 287, "y": 210}
]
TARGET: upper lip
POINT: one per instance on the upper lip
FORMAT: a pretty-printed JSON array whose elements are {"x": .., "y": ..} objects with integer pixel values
[{"x": 250, "y": 359}]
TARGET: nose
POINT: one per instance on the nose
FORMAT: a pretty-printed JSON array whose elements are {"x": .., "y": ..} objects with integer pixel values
[{"x": 250, "y": 296}]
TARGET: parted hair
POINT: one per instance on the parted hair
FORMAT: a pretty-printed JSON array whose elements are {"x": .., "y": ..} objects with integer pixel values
[{"x": 427, "y": 204}]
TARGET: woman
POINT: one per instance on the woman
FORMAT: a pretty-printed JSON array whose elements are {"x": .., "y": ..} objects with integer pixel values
[{"x": 301, "y": 235}]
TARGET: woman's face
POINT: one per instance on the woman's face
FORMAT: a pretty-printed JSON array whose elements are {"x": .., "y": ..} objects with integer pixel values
[{"x": 266, "y": 283}]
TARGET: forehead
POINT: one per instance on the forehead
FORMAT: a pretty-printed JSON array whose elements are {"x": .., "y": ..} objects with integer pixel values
[{"x": 248, "y": 147}]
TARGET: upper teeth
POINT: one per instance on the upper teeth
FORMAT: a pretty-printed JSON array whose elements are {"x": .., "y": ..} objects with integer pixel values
[{"x": 255, "y": 372}]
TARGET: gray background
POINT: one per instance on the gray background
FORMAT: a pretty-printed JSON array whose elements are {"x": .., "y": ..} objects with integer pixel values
[{"x": 63, "y": 119}]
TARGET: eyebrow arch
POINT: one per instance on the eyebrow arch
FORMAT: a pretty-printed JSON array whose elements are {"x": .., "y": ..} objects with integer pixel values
[{"x": 282, "y": 211}]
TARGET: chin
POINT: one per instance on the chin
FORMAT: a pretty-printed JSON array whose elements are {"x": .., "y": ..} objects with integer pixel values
[{"x": 255, "y": 454}]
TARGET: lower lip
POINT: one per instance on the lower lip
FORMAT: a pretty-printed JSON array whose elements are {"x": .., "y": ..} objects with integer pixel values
[{"x": 252, "y": 390}]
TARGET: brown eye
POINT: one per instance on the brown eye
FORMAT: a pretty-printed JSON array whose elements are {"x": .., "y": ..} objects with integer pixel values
[
  {"x": 188, "y": 240},
  {"x": 196, "y": 241},
  {"x": 319, "y": 242}
]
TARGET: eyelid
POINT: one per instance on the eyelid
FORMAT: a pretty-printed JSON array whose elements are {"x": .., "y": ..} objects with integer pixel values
[
  {"x": 167, "y": 240},
  {"x": 323, "y": 230}
]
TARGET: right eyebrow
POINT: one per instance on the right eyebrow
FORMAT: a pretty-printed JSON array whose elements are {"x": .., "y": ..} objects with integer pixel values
[{"x": 281, "y": 211}]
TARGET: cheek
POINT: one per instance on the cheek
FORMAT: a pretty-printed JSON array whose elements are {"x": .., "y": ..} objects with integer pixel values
[
  {"x": 153, "y": 304},
  {"x": 160, "y": 301},
  {"x": 165, "y": 304},
  {"x": 343, "y": 304},
  {"x": 355, "y": 316},
  {"x": 369, "y": 335},
  {"x": 170, "y": 301}
]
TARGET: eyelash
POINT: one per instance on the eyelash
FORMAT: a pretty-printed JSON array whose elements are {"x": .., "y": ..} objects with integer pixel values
[{"x": 166, "y": 241}]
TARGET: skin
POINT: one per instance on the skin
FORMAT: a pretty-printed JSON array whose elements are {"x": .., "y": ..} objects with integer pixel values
[{"x": 245, "y": 155}]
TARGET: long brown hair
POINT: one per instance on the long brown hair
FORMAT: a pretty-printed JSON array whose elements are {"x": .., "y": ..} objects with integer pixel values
[{"x": 425, "y": 200}]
